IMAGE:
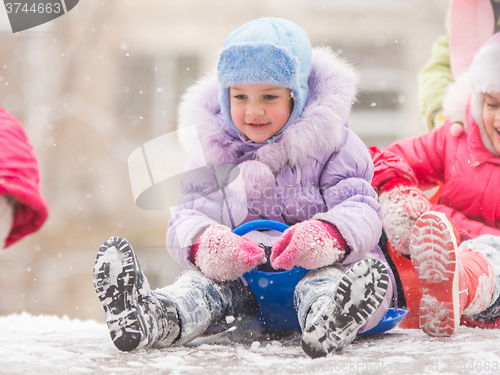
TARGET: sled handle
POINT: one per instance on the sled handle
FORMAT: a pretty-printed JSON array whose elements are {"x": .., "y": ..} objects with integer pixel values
[{"x": 260, "y": 224}]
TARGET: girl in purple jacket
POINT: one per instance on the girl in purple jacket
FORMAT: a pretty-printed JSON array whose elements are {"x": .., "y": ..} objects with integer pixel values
[{"x": 277, "y": 110}]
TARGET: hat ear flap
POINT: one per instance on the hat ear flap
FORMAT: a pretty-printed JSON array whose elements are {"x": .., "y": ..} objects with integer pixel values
[{"x": 225, "y": 107}]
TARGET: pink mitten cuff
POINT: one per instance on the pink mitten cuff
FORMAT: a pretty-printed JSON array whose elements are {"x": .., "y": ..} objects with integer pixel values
[
  {"x": 196, "y": 245},
  {"x": 194, "y": 251},
  {"x": 310, "y": 244},
  {"x": 223, "y": 255},
  {"x": 395, "y": 182}
]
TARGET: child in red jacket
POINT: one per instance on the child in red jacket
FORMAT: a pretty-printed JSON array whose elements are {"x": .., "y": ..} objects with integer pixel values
[
  {"x": 22, "y": 207},
  {"x": 454, "y": 244}
]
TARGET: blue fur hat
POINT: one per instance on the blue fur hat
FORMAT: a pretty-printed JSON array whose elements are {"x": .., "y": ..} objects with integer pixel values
[{"x": 267, "y": 50}]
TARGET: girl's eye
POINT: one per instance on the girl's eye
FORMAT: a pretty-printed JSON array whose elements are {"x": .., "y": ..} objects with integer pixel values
[
  {"x": 269, "y": 97},
  {"x": 240, "y": 97},
  {"x": 493, "y": 105}
]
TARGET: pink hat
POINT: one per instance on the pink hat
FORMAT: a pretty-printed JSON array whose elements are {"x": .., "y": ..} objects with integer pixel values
[{"x": 472, "y": 22}]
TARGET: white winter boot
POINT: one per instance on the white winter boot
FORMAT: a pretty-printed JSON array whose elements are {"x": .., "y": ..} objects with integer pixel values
[
  {"x": 335, "y": 317},
  {"x": 136, "y": 316}
]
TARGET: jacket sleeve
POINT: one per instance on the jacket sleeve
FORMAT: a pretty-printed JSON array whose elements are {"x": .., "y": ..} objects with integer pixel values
[
  {"x": 433, "y": 80},
  {"x": 464, "y": 224},
  {"x": 202, "y": 204},
  {"x": 388, "y": 166},
  {"x": 352, "y": 202},
  {"x": 19, "y": 179},
  {"x": 421, "y": 160}
]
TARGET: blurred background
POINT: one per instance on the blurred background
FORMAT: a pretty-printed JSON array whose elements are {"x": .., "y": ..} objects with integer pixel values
[{"x": 95, "y": 84}]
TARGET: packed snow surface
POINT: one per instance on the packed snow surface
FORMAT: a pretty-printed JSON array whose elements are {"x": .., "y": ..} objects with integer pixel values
[{"x": 54, "y": 345}]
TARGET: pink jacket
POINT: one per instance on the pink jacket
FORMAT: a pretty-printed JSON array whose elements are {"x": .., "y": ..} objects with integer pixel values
[
  {"x": 470, "y": 173},
  {"x": 19, "y": 178}
]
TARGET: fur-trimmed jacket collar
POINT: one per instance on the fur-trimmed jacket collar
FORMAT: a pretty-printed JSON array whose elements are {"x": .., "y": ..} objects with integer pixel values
[{"x": 319, "y": 129}]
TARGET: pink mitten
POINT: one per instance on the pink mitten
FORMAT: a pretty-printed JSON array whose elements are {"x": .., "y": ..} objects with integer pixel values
[
  {"x": 310, "y": 244},
  {"x": 402, "y": 204},
  {"x": 223, "y": 255}
]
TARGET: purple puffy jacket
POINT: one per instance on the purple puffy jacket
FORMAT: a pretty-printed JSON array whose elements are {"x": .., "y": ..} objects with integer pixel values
[{"x": 316, "y": 169}]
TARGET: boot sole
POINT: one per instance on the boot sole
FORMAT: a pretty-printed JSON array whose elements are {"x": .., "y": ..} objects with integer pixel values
[
  {"x": 115, "y": 278},
  {"x": 433, "y": 249},
  {"x": 358, "y": 295}
]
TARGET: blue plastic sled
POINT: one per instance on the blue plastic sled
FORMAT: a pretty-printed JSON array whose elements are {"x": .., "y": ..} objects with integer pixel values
[{"x": 274, "y": 291}]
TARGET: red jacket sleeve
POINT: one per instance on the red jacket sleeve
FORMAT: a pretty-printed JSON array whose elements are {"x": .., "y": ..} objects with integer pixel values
[
  {"x": 472, "y": 227},
  {"x": 388, "y": 166},
  {"x": 19, "y": 178},
  {"x": 420, "y": 160}
]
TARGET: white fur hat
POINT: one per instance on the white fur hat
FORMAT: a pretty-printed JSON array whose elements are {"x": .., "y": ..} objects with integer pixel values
[{"x": 485, "y": 69}]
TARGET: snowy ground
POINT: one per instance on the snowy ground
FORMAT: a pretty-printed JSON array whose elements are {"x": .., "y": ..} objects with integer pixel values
[{"x": 52, "y": 345}]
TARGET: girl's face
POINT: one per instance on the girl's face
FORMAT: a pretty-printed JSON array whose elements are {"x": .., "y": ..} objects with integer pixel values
[
  {"x": 260, "y": 110},
  {"x": 491, "y": 118}
]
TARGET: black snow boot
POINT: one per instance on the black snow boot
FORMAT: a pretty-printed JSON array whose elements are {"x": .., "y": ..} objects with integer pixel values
[
  {"x": 334, "y": 319},
  {"x": 136, "y": 316}
]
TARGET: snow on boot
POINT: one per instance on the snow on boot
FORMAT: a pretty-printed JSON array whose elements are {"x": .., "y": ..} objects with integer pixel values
[
  {"x": 434, "y": 255},
  {"x": 136, "y": 317},
  {"x": 489, "y": 247},
  {"x": 477, "y": 276},
  {"x": 476, "y": 323},
  {"x": 401, "y": 205},
  {"x": 204, "y": 304},
  {"x": 334, "y": 319}
]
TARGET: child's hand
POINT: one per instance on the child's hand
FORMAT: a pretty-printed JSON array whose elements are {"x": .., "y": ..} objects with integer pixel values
[
  {"x": 223, "y": 255},
  {"x": 310, "y": 244},
  {"x": 402, "y": 204}
]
